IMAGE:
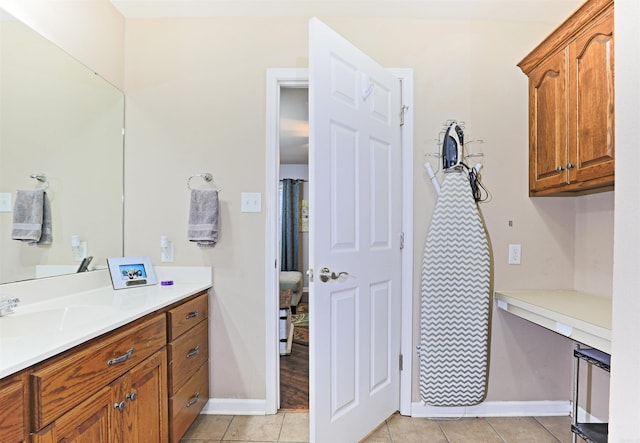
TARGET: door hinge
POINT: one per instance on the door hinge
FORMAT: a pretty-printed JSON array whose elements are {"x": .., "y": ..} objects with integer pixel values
[
  {"x": 403, "y": 110},
  {"x": 402, "y": 240},
  {"x": 400, "y": 361}
]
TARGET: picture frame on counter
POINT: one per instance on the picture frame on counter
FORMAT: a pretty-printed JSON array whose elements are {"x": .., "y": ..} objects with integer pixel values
[{"x": 131, "y": 272}]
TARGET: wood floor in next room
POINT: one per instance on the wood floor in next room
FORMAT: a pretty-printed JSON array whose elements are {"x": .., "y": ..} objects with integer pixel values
[
  {"x": 294, "y": 368},
  {"x": 294, "y": 379},
  {"x": 293, "y": 427}
]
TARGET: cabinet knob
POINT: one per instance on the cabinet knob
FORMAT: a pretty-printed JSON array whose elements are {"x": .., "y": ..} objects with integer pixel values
[
  {"x": 132, "y": 396},
  {"x": 119, "y": 406},
  {"x": 570, "y": 165},
  {"x": 559, "y": 169}
]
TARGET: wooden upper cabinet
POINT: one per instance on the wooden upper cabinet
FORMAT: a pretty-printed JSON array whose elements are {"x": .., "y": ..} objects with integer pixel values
[
  {"x": 571, "y": 104},
  {"x": 548, "y": 123},
  {"x": 591, "y": 122}
]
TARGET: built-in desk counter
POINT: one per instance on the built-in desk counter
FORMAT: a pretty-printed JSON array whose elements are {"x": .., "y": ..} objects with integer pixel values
[{"x": 582, "y": 317}]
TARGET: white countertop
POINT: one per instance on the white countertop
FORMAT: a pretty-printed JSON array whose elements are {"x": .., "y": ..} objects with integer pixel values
[
  {"x": 41, "y": 328},
  {"x": 583, "y": 317}
]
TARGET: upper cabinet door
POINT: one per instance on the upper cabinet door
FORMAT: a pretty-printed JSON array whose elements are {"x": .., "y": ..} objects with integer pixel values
[
  {"x": 548, "y": 124},
  {"x": 591, "y": 113},
  {"x": 571, "y": 104}
]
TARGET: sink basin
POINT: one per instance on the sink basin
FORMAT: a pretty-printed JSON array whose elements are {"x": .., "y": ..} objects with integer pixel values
[{"x": 51, "y": 320}]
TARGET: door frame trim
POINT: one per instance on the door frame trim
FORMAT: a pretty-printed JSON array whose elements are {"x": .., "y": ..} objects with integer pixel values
[{"x": 293, "y": 77}]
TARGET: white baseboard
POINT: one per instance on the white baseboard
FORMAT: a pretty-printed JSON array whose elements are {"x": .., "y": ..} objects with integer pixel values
[
  {"x": 495, "y": 409},
  {"x": 233, "y": 406}
]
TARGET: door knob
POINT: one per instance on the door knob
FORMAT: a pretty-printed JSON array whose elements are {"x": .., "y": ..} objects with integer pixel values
[{"x": 326, "y": 275}]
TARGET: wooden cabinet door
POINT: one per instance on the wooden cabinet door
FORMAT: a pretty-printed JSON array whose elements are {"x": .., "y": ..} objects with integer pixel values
[
  {"x": 548, "y": 124},
  {"x": 591, "y": 99},
  {"x": 12, "y": 429},
  {"x": 89, "y": 422},
  {"x": 142, "y": 392}
]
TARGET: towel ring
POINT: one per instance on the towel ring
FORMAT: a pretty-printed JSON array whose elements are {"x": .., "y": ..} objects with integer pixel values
[
  {"x": 42, "y": 179},
  {"x": 206, "y": 176}
]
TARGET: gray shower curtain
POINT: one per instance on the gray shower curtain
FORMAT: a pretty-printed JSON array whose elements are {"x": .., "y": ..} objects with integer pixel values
[{"x": 290, "y": 214}]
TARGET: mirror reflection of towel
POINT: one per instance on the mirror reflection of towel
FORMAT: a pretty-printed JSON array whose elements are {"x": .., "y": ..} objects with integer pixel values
[
  {"x": 203, "y": 217},
  {"x": 32, "y": 218}
]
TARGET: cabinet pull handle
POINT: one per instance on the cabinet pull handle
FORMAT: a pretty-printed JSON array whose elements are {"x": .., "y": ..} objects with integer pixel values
[
  {"x": 191, "y": 315},
  {"x": 570, "y": 165},
  {"x": 119, "y": 406},
  {"x": 120, "y": 359},
  {"x": 194, "y": 352},
  {"x": 193, "y": 400},
  {"x": 559, "y": 169},
  {"x": 132, "y": 396}
]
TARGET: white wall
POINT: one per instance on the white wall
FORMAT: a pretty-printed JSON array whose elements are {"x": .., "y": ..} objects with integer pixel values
[
  {"x": 625, "y": 358},
  {"x": 196, "y": 103},
  {"x": 91, "y": 31}
]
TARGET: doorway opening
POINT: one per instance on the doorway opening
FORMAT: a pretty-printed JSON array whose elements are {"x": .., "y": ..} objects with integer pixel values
[
  {"x": 293, "y": 147},
  {"x": 278, "y": 79}
]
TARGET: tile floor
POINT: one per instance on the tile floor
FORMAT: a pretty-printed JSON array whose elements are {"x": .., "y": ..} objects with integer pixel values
[{"x": 292, "y": 427}]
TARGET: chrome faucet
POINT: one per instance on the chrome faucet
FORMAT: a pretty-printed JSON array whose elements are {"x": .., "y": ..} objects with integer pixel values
[{"x": 7, "y": 305}]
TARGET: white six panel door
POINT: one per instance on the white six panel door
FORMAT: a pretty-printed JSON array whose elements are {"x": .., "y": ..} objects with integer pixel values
[{"x": 355, "y": 203}]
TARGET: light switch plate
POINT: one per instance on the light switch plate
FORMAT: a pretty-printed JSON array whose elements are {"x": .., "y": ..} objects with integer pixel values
[
  {"x": 251, "y": 202},
  {"x": 5, "y": 202}
]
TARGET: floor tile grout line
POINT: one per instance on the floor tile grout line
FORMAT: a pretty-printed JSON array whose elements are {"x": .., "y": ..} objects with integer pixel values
[
  {"x": 284, "y": 417},
  {"x": 224, "y": 434},
  {"x": 546, "y": 429},
  {"x": 495, "y": 430},
  {"x": 386, "y": 425},
  {"x": 444, "y": 434}
]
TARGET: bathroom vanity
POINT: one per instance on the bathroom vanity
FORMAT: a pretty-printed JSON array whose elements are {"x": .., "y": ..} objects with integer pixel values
[{"x": 103, "y": 365}]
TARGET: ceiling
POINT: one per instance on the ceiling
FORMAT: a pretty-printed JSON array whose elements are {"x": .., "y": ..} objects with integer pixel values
[
  {"x": 519, "y": 10},
  {"x": 294, "y": 141},
  {"x": 294, "y": 126}
]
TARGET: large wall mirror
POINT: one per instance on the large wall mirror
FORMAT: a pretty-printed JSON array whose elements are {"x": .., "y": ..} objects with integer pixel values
[{"x": 59, "y": 119}]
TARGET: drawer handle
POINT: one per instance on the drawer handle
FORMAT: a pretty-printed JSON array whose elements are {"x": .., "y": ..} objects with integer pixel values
[
  {"x": 193, "y": 400},
  {"x": 194, "y": 352},
  {"x": 191, "y": 315},
  {"x": 120, "y": 359},
  {"x": 119, "y": 406}
]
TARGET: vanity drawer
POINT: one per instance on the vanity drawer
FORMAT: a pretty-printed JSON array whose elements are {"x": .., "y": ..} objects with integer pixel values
[
  {"x": 187, "y": 403},
  {"x": 187, "y": 315},
  {"x": 186, "y": 354},
  {"x": 12, "y": 411},
  {"x": 59, "y": 386}
]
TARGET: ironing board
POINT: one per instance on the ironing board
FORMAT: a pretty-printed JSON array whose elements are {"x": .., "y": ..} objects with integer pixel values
[{"x": 455, "y": 300}]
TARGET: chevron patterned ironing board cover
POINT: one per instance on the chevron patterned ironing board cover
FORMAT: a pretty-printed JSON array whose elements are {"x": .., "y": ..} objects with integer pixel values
[{"x": 455, "y": 300}]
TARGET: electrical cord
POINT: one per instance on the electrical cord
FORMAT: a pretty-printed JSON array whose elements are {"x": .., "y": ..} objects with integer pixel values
[{"x": 480, "y": 193}]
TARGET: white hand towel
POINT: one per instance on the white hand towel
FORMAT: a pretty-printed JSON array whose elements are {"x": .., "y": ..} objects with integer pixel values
[
  {"x": 32, "y": 218},
  {"x": 203, "y": 217}
]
